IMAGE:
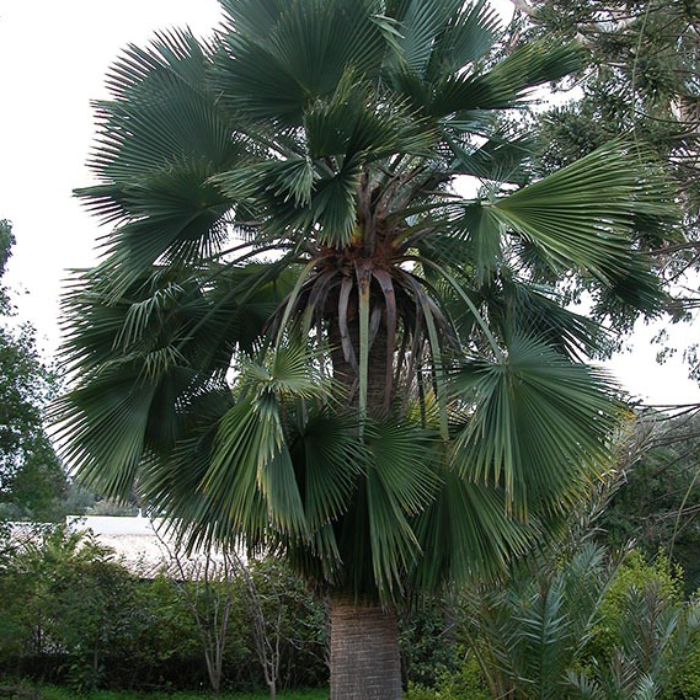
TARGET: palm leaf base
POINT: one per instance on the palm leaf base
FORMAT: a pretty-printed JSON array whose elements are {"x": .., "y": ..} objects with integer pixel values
[{"x": 365, "y": 662}]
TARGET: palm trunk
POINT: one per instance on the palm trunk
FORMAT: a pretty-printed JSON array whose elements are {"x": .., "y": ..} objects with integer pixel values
[
  {"x": 364, "y": 648},
  {"x": 365, "y": 662}
]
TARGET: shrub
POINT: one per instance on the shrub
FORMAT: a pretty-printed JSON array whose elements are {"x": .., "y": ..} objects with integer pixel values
[
  {"x": 686, "y": 685},
  {"x": 464, "y": 683},
  {"x": 646, "y": 636},
  {"x": 72, "y": 614},
  {"x": 428, "y": 642}
]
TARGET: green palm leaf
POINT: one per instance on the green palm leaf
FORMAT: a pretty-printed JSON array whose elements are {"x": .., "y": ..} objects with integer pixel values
[
  {"x": 466, "y": 532},
  {"x": 329, "y": 459},
  {"x": 421, "y": 24},
  {"x": 107, "y": 425},
  {"x": 581, "y": 214},
  {"x": 467, "y": 37},
  {"x": 507, "y": 84},
  {"x": 263, "y": 73},
  {"x": 536, "y": 420}
]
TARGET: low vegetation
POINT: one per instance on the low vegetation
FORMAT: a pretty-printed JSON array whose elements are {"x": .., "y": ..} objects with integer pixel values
[
  {"x": 70, "y": 614},
  {"x": 583, "y": 623},
  {"x": 57, "y": 693}
]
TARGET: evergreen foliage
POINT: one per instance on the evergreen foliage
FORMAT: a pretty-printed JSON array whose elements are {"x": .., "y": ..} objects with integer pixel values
[
  {"x": 72, "y": 614},
  {"x": 640, "y": 82},
  {"x": 31, "y": 478}
]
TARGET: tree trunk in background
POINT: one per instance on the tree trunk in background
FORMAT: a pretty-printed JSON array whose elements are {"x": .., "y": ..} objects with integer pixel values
[{"x": 365, "y": 662}]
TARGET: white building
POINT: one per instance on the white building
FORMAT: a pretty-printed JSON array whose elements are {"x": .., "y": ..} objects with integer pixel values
[{"x": 142, "y": 544}]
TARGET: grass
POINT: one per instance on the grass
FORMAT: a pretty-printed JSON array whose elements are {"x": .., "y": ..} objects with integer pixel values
[{"x": 56, "y": 693}]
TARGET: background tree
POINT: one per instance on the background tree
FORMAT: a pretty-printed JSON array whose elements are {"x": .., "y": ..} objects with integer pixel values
[
  {"x": 303, "y": 337},
  {"x": 206, "y": 584},
  {"x": 31, "y": 477},
  {"x": 287, "y": 623},
  {"x": 656, "y": 501},
  {"x": 7, "y": 240},
  {"x": 640, "y": 82}
]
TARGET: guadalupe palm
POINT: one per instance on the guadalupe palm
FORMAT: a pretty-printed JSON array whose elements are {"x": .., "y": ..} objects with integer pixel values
[{"x": 303, "y": 337}]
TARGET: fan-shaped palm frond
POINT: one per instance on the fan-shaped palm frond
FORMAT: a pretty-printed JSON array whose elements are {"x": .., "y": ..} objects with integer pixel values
[{"x": 531, "y": 414}]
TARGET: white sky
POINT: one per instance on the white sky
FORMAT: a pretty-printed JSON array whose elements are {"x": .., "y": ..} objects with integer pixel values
[{"x": 53, "y": 58}]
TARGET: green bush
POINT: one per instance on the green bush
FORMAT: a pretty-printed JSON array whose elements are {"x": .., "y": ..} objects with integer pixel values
[
  {"x": 686, "y": 679},
  {"x": 71, "y": 614},
  {"x": 632, "y": 581},
  {"x": 428, "y": 642},
  {"x": 70, "y": 602},
  {"x": 646, "y": 636},
  {"x": 416, "y": 691},
  {"x": 576, "y": 627},
  {"x": 466, "y": 683}
]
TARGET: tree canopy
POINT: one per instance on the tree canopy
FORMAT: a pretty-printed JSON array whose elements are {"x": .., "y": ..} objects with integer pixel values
[
  {"x": 639, "y": 82},
  {"x": 30, "y": 473},
  {"x": 303, "y": 334}
]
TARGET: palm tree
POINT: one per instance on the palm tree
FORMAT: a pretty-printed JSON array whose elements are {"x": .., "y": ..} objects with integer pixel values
[{"x": 302, "y": 336}]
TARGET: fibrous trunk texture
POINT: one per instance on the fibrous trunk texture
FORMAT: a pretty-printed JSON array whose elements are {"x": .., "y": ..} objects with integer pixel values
[{"x": 365, "y": 662}]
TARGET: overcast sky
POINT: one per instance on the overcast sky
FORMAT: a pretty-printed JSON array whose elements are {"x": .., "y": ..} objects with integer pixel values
[{"x": 53, "y": 58}]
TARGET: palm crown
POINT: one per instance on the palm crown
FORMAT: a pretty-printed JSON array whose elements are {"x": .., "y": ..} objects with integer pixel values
[{"x": 302, "y": 335}]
